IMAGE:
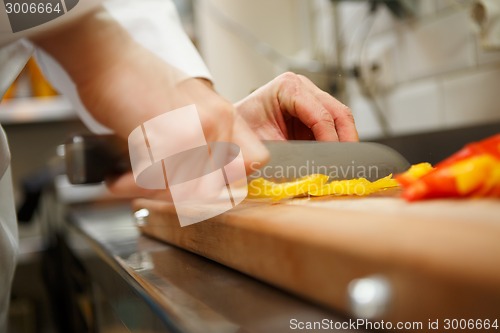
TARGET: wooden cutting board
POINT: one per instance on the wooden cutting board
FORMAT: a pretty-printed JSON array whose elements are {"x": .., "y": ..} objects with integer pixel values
[{"x": 441, "y": 258}]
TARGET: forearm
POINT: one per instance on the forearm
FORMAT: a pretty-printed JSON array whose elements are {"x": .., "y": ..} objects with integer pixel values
[
  {"x": 121, "y": 83},
  {"x": 88, "y": 47}
]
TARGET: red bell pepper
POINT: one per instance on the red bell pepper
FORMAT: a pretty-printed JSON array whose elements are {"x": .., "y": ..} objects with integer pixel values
[
  {"x": 472, "y": 171},
  {"x": 489, "y": 146}
]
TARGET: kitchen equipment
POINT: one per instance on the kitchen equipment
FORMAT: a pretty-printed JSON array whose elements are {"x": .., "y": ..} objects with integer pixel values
[
  {"x": 90, "y": 159},
  {"x": 375, "y": 257}
]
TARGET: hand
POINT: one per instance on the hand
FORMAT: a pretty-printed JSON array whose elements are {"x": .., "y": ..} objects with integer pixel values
[
  {"x": 220, "y": 123},
  {"x": 291, "y": 107},
  {"x": 123, "y": 85}
]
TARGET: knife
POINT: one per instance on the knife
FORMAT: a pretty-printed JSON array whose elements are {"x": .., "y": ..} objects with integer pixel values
[{"x": 90, "y": 159}]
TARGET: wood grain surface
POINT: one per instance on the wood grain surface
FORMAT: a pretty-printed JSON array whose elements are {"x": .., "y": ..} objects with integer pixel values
[{"x": 442, "y": 257}]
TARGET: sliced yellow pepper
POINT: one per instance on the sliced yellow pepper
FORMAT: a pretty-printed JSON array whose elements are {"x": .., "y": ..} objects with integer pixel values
[
  {"x": 386, "y": 182},
  {"x": 359, "y": 187},
  {"x": 473, "y": 171},
  {"x": 416, "y": 171},
  {"x": 473, "y": 176},
  {"x": 315, "y": 185},
  {"x": 479, "y": 172},
  {"x": 261, "y": 188}
]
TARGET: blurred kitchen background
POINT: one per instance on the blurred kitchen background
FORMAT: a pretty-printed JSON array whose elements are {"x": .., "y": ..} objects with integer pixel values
[
  {"x": 402, "y": 66},
  {"x": 405, "y": 67}
]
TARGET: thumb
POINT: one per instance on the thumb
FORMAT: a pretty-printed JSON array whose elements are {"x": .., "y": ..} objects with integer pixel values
[{"x": 255, "y": 154}]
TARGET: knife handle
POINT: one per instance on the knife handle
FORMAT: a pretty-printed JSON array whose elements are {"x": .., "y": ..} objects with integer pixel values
[{"x": 90, "y": 159}]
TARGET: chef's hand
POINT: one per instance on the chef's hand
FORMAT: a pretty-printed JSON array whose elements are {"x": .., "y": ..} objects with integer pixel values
[
  {"x": 124, "y": 85},
  {"x": 219, "y": 121},
  {"x": 291, "y": 107}
]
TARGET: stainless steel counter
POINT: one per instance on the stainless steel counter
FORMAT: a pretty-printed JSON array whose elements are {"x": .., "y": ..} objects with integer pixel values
[{"x": 154, "y": 287}]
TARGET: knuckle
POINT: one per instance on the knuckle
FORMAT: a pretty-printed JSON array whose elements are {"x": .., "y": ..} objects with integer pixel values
[
  {"x": 289, "y": 79},
  {"x": 324, "y": 95},
  {"x": 289, "y": 84},
  {"x": 326, "y": 117},
  {"x": 347, "y": 113},
  {"x": 289, "y": 76},
  {"x": 304, "y": 78}
]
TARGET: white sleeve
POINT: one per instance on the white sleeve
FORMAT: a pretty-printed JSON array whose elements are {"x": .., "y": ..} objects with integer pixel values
[{"x": 155, "y": 25}]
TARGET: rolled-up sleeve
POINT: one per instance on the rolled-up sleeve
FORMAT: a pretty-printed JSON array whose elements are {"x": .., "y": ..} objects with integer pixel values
[{"x": 155, "y": 25}]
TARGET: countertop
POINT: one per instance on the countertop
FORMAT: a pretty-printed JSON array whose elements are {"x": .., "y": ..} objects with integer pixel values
[{"x": 155, "y": 287}]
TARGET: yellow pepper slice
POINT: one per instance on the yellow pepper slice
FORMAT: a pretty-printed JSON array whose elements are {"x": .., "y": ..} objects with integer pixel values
[
  {"x": 358, "y": 186},
  {"x": 416, "y": 171},
  {"x": 386, "y": 182},
  {"x": 479, "y": 172},
  {"x": 315, "y": 185},
  {"x": 261, "y": 188}
]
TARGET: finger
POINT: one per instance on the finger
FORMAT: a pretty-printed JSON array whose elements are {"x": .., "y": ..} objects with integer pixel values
[
  {"x": 312, "y": 113},
  {"x": 255, "y": 154},
  {"x": 299, "y": 131},
  {"x": 342, "y": 115},
  {"x": 343, "y": 118},
  {"x": 295, "y": 99}
]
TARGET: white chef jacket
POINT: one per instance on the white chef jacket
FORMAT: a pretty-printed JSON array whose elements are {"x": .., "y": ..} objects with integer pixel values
[{"x": 152, "y": 23}]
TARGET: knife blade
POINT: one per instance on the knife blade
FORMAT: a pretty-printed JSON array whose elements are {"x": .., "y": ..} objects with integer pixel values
[
  {"x": 339, "y": 160},
  {"x": 90, "y": 159}
]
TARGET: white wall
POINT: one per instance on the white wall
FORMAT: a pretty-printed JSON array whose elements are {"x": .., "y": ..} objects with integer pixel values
[
  {"x": 432, "y": 71},
  {"x": 237, "y": 67}
]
